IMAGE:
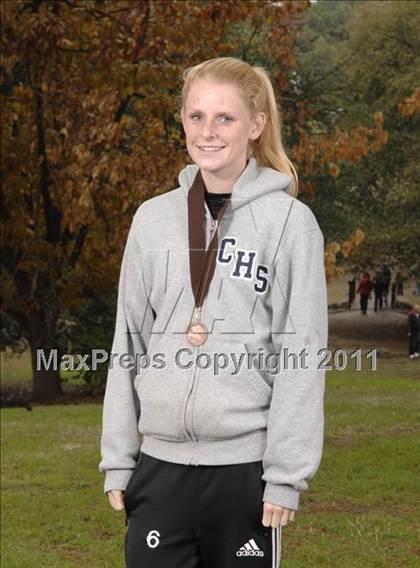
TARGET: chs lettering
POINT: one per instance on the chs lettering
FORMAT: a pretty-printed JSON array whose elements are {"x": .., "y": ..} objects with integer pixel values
[{"x": 244, "y": 265}]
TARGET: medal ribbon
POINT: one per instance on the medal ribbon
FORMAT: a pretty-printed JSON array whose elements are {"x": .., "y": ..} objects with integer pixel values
[{"x": 202, "y": 261}]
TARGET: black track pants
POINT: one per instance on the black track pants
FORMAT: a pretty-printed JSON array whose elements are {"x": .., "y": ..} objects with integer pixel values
[{"x": 186, "y": 516}]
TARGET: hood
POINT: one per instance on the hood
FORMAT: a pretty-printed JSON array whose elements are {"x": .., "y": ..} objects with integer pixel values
[{"x": 254, "y": 182}]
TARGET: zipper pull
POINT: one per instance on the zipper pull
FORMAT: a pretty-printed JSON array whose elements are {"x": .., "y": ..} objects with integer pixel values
[{"x": 214, "y": 223}]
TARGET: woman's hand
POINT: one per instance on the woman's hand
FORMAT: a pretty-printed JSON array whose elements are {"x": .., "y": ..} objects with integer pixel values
[
  {"x": 274, "y": 515},
  {"x": 116, "y": 499}
]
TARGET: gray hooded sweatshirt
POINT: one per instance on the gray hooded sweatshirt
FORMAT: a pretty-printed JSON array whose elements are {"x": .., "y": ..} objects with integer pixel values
[{"x": 254, "y": 390}]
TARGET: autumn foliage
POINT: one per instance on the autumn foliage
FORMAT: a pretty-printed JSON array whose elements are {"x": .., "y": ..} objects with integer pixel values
[{"x": 90, "y": 94}]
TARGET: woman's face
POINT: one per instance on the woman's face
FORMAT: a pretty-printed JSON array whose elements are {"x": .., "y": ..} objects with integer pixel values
[{"x": 215, "y": 116}]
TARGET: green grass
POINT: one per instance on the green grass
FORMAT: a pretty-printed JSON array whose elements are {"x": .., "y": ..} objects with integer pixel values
[
  {"x": 17, "y": 368},
  {"x": 360, "y": 509}
]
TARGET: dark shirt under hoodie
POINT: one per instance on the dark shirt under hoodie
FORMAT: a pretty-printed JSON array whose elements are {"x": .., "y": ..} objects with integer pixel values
[{"x": 215, "y": 201}]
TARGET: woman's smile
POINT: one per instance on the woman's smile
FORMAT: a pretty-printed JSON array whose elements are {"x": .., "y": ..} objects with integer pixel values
[{"x": 209, "y": 149}]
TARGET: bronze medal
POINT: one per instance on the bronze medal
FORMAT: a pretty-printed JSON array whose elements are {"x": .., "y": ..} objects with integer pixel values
[{"x": 197, "y": 333}]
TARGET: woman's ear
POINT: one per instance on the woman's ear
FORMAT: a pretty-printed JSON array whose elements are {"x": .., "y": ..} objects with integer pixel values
[{"x": 258, "y": 125}]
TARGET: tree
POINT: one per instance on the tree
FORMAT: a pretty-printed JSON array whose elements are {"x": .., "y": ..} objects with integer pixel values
[
  {"x": 360, "y": 60},
  {"x": 90, "y": 95}
]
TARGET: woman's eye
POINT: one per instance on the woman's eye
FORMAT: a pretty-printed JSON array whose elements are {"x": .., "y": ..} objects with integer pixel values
[{"x": 228, "y": 118}]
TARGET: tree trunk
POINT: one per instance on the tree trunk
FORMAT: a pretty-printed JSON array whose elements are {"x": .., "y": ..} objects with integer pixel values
[{"x": 43, "y": 341}]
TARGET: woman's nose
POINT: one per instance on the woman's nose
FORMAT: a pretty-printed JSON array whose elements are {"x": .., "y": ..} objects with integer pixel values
[{"x": 209, "y": 129}]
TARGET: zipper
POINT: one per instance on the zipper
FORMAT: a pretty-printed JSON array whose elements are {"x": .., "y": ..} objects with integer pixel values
[
  {"x": 213, "y": 228},
  {"x": 191, "y": 432},
  {"x": 214, "y": 223}
]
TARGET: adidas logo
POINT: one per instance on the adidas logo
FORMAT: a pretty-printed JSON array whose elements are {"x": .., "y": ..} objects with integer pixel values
[{"x": 250, "y": 549}]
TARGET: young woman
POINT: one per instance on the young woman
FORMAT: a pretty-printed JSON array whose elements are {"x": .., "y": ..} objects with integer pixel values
[{"x": 223, "y": 292}]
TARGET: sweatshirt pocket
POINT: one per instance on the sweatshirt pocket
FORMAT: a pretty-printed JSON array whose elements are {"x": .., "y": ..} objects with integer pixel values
[
  {"x": 162, "y": 388},
  {"x": 226, "y": 404}
]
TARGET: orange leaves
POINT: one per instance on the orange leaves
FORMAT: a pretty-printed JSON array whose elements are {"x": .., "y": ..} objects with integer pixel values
[
  {"x": 333, "y": 248},
  {"x": 351, "y": 146},
  {"x": 411, "y": 105},
  {"x": 334, "y": 170},
  {"x": 331, "y": 270},
  {"x": 90, "y": 126},
  {"x": 352, "y": 243},
  {"x": 318, "y": 147}
]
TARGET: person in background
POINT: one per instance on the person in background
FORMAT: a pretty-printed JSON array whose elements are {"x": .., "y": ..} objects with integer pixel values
[
  {"x": 414, "y": 330},
  {"x": 399, "y": 281},
  {"x": 352, "y": 291},
  {"x": 393, "y": 294},
  {"x": 386, "y": 274},
  {"x": 364, "y": 289},
  {"x": 379, "y": 287}
]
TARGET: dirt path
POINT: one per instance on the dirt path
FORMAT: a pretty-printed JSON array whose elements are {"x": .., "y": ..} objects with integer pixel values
[{"x": 385, "y": 329}]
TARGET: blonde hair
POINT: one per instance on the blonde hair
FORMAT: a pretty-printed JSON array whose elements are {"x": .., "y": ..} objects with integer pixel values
[{"x": 257, "y": 90}]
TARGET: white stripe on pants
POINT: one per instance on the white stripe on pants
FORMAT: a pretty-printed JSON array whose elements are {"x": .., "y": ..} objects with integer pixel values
[{"x": 276, "y": 546}]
